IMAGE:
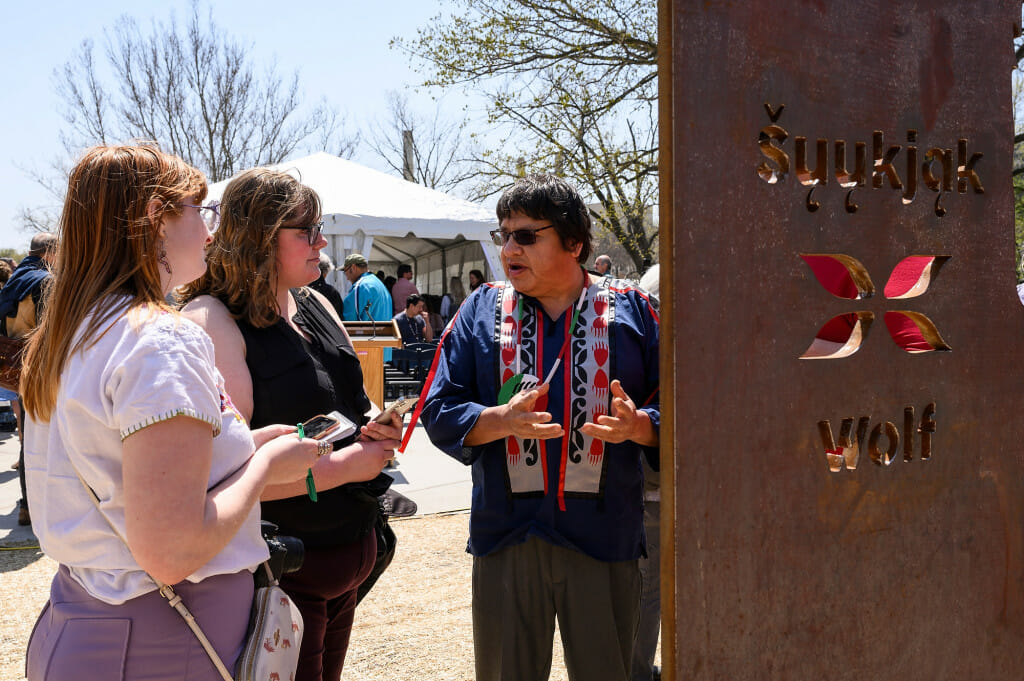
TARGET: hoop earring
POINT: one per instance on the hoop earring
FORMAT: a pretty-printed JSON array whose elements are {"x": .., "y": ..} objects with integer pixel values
[{"x": 162, "y": 258}]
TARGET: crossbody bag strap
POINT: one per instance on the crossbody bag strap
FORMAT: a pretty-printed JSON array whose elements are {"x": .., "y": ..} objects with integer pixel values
[
  {"x": 174, "y": 600},
  {"x": 165, "y": 590}
]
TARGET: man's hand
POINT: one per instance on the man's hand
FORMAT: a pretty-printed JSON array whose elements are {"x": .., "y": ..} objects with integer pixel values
[
  {"x": 625, "y": 422},
  {"x": 524, "y": 422},
  {"x": 428, "y": 330},
  {"x": 517, "y": 418}
]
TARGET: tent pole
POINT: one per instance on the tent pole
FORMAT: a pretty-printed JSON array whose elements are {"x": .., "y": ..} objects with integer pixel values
[{"x": 444, "y": 271}]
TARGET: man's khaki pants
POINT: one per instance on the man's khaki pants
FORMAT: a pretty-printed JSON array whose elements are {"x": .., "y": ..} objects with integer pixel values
[{"x": 520, "y": 590}]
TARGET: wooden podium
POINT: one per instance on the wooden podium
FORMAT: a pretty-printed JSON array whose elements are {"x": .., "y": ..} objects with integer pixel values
[{"x": 369, "y": 340}]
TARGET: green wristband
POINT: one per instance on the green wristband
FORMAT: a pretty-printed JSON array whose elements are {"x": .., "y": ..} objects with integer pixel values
[{"x": 310, "y": 485}]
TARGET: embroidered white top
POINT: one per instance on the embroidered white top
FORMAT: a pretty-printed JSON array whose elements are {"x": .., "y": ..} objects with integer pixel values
[{"x": 137, "y": 374}]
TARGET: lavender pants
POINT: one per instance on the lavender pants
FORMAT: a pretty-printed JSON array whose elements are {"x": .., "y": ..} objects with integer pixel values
[{"x": 79, "y": 637}]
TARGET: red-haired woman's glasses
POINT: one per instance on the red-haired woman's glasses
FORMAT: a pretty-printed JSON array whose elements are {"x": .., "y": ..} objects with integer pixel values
[
  {"x": 312, "y": 231},
  {"x": 523, "y": 237},
  {"x": 210, "y": 214}
]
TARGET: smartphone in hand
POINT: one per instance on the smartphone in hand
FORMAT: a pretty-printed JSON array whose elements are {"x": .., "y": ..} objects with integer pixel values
[
  {"x": 329, "y": 427},
  {"x": 399, "y": 407}
]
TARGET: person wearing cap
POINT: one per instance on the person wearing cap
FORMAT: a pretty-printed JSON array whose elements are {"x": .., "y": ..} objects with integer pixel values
[{"x": 368, "y": 299}]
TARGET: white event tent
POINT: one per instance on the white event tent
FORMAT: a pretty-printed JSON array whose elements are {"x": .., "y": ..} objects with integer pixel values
[{"x": 392, "y": 221}]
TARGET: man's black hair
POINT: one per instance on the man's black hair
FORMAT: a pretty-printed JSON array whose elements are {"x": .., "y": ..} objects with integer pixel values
[{"x": 551, "y": 198}]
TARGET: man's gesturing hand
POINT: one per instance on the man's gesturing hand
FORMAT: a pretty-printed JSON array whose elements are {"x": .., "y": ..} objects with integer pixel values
[
  {"x": 524, "y": 422},
  {"x": 625, "y": 422}
]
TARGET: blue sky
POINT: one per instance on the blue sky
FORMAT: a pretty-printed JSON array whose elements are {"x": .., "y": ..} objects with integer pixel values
[{"x": 340, "y": 49}]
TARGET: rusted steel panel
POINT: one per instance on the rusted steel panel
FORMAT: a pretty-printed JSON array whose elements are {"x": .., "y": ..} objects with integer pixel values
[{"x": 790, "y": 563}]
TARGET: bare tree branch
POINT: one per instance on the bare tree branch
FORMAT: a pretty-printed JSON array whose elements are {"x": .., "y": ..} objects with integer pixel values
[
  {"x": 193, "y": 90},
  {"x": 440, "y": 147}
]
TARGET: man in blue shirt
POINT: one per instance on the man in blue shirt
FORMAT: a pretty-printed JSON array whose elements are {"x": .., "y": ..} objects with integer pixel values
[
  {"x": 547, "y": 385},
  {"x": 368, "y": 299}
]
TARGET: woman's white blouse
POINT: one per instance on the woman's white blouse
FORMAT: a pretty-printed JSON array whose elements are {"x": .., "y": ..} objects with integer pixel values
[{"x": 147, "y": 367}]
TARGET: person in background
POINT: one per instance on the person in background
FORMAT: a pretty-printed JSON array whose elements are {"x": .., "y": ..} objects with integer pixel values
[
  {"x": 556, "y": 524},
  {"x": 21, "y": 300},
  {"x": 286, "y": 357},
  {"x": 326, "y": 290},
  {"x": 402, "y": 288},
  {"x": 21, "y": 307},
  {"x": 413, "y": 323},
  {"x": 433, "y": 310},
  {"x": 453, "y": 299},
  {"x": 122, "y": 390},
  {"x": 649, "y": 627},
  {"x": 603, "y": 265},
  {"x": 367, "y": 299},
  {"x": 1020, "y": 287},
  {"x": 11, "y": 396},
  {"x": 476, "y": 277}
]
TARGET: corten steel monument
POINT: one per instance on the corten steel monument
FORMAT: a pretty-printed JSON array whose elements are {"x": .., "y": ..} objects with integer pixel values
[{"x": 844, "y": 342}]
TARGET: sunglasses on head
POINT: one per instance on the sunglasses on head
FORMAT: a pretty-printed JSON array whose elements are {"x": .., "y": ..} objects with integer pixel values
[
  {"x": 312, "y": 231},
  {"x": 523, "y": 237}
]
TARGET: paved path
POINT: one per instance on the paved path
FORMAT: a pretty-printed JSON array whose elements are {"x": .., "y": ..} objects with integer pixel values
[
  {"x": 435, "y": 481},
  {"x": 10, "y": 492}
]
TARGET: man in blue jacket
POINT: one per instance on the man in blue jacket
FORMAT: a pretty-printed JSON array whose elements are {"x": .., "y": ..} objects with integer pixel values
[
  {"x": 547, "y": 385},
  {"x": 21, "y": 306}
]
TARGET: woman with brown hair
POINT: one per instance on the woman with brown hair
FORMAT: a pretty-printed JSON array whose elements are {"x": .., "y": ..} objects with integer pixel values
[
  {"x": 122, "y": 391},
  {"x": 286, "y": 358},
  {"x": 476, "y": 277},
  {"x": 452, "y": 300}
]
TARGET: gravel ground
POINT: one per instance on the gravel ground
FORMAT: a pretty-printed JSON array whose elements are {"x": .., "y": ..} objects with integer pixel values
[{"x": 414, "y": 625}]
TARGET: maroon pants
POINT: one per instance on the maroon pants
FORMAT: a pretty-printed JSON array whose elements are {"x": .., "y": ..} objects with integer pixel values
[{"x": 325, "y": 592}]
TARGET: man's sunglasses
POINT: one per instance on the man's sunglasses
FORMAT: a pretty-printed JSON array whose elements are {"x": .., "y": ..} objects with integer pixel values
[
  {"x": 210, "y": 214},
  {"x": 312, "y": 231},
  {"x": 523, "y": 237}
]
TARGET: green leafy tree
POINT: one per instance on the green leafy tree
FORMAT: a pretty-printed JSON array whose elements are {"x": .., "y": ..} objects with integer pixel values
[{"x": 570, "y": 87}]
